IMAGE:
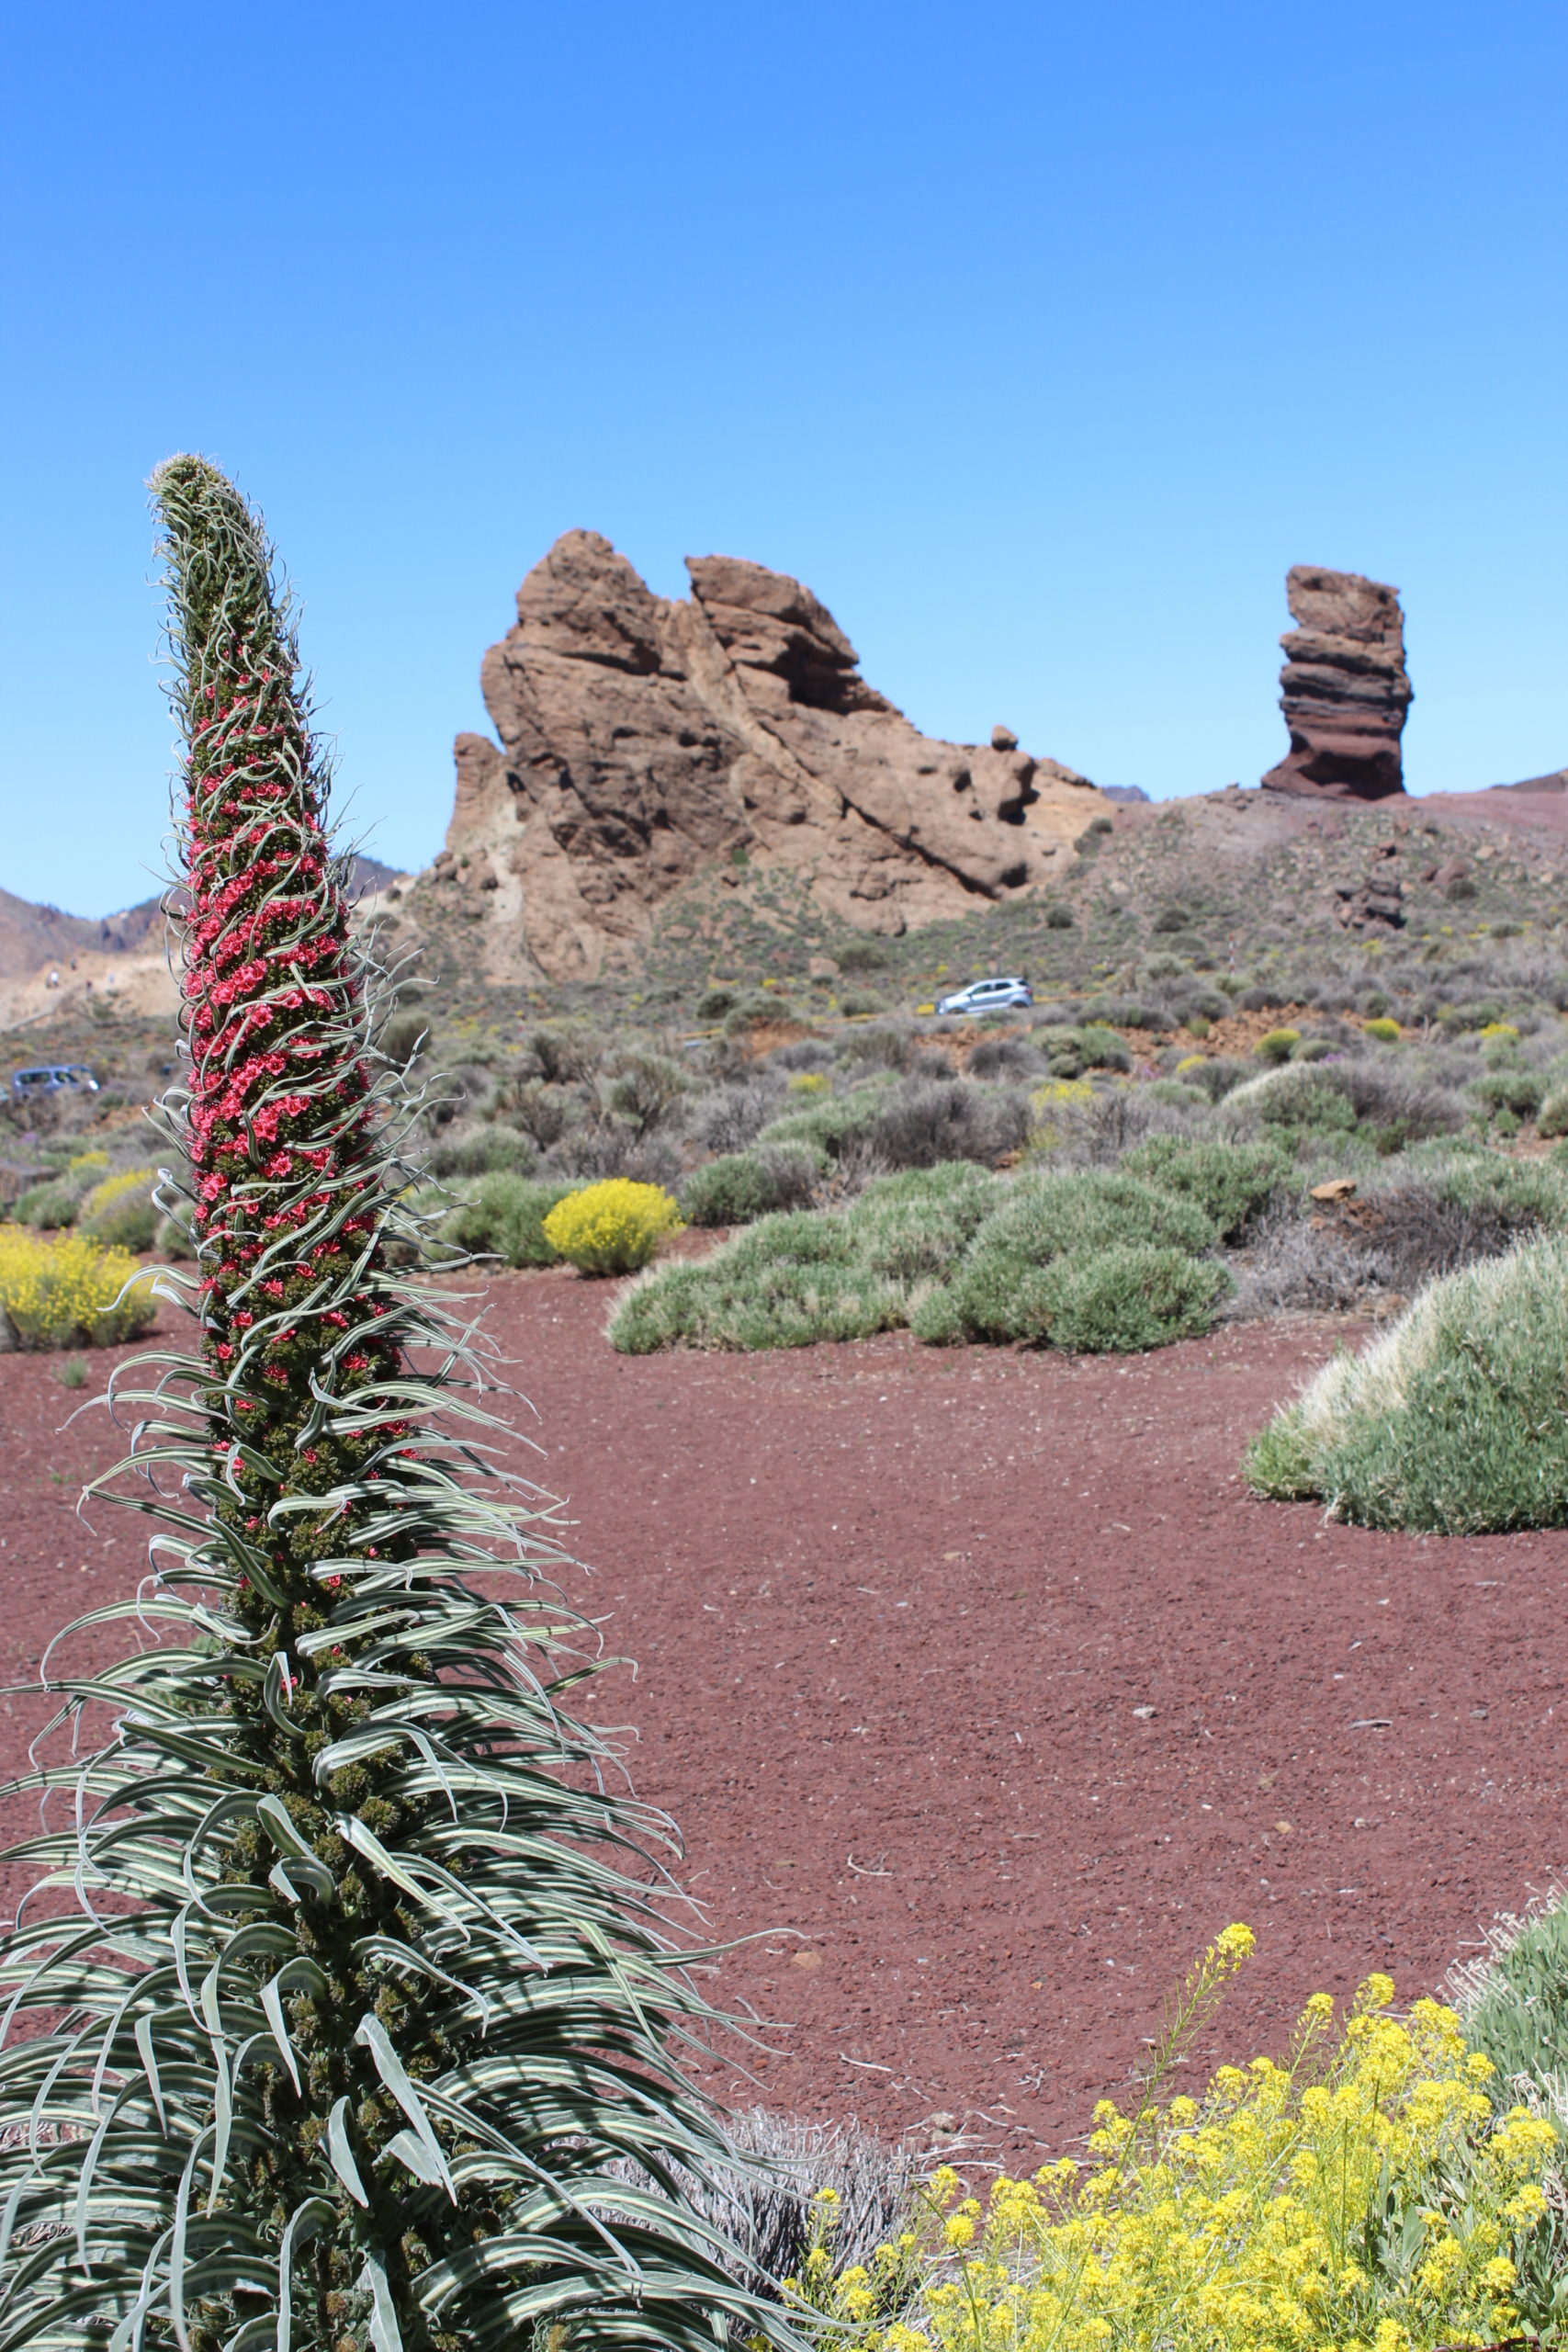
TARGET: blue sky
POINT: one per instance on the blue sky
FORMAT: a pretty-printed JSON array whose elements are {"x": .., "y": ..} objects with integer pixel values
[{"x": 1039, "y": 339}]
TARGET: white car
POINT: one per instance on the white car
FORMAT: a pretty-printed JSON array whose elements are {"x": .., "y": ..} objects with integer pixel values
[{"x": 987, "y": 996}]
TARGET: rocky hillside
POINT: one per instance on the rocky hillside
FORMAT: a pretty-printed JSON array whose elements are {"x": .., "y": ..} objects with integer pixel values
[{"x": 643, "y": 740}]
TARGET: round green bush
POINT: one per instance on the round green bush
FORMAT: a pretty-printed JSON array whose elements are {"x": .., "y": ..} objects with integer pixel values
[
  {"x": 742, "y": 1185},
  {"x": 1277, "y": 1044},
  {"x": 1101, "y": 1048},
  {"x": 485, "y": 1152},
  {"x": 1295, "y": 1096},
  {"x": 128, "y": 1223},
  {"x": 1553, "y": 1117},
  {"x": 1454, "y": 1421},
  {"x": 1117, "y": 1301},
  {"x": 1229, "y": 1181},
  {"x": 48, "y": 1206},
  {"x": 914, "y": 1227},
  {"x": 1004, "y": 1289},
  {"x": 505, "y": 1217},
  {"x": 1519, "y": 1090},
  {"x": 1055, "y": 1214}
]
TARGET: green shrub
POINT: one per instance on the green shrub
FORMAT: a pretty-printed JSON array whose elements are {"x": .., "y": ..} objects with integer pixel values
[
  {"x": 749, "y": 1010},
  {"x": 1277, "y": 1044},
  {"x": 1000, "y": 1291},
  {"x": 913, "y": 1248},
  {"x": 1101, "y": 1048},
  {"x": 857, "y": 1002},
  {"x": 743, "y": 1185},
  {"x": 1050, "y": 1215},
  {"x": 1514, "y": 1089},
  {"x": 915, "y": 1226},
  {"x": 1056, "y": 917},
  {"x": 1294, "y": 1096},
  {"x": 1176, "y": 1094},
  {"x": 505, "y": 1217},
  {"x": 833, "y": 1123},
  {"x": 1553, "y": 1117},
  {"x": 1229, "y": 1181},
  {"x": 646, "y": 1088},
  {"x": 714, "y": 1002},
  {"x": 565, "y": 1052},
  {"x": 128, "y": 1221},
  {"x": 787, "y": 1282},
  {"x": 1530, "y": 1192},
  {"x": 120, "y": 1210},
  {"x": 1520, "y": 2021},
  {"x": 402, "y": 1036},
  {"x": 483, "y": 1153},
  {"x": 1453, "y": 1420},
  {"x": 173, "y": 1237},
  {"x": 48, "y": 1206},
  {"x": 612, "y": 1228},
  {"x": 1120, "y": 1300}
]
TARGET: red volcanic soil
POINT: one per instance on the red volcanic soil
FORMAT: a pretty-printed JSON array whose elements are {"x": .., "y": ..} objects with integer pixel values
[{"x": 983, "y": 1674}]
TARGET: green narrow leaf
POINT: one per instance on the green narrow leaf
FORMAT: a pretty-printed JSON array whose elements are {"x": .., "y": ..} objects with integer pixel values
[
  {"x": 150, "y": 2068},
  {"x": 385, "y": 2333},
  {"x": 272, "y": 2002},
  {"x": 342, "y": 2155},
  {"x": 389, "y": 2066},
  {"x": 302, "y": 2227}
]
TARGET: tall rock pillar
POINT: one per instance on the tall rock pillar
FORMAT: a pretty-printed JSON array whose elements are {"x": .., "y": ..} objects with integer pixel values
[{"x": 1343, "y": 689}]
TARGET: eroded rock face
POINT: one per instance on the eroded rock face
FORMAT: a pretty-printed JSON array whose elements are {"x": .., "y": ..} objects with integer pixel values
[
  {"x": 1343, "y": 689},
  {"x": 643, "y": 739}
]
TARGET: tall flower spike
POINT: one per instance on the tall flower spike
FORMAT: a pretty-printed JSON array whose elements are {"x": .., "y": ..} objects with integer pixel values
[{"x": 342, "y": 2018}]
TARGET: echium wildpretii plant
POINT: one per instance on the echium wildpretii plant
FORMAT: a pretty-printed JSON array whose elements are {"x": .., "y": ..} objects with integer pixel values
[{"x": 352, "y": 2003}]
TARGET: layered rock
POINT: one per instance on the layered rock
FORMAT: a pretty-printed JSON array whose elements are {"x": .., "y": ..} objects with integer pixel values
[
  {"x": 644, "y": 739},
  {"x": 1343, "y": 689}
]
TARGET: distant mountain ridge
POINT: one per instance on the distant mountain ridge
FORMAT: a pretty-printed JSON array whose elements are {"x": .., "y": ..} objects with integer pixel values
[{"x": 32, "y": 935}]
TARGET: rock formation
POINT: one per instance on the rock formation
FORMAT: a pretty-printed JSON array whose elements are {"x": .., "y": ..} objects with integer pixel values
[
  {"x": 643, "y": 739},
  {"x": 1343, "y": 689}
]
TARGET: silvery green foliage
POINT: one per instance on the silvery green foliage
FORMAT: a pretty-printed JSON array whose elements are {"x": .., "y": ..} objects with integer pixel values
[{"x": 347, "y": 1991}]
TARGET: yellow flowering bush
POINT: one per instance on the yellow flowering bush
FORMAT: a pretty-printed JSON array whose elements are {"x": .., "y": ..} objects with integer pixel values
[
  {"x": 104, "y": 1195},
  {"x": 612, "y": 1228},
  {"x": 86, "y": 1162},
  {"x": 809, "y": 1081},
  {"x": 1363, "y": 2196},
  {"x": 71, "y": 1292},
  {"x": 1056, "y": 1094},
  {"x": 828, "y": 2301},
  {"x": 119, "y": 1210}
]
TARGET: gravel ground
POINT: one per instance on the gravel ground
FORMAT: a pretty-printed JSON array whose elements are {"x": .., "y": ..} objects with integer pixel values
[{"x": 984, "y": 1693}]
